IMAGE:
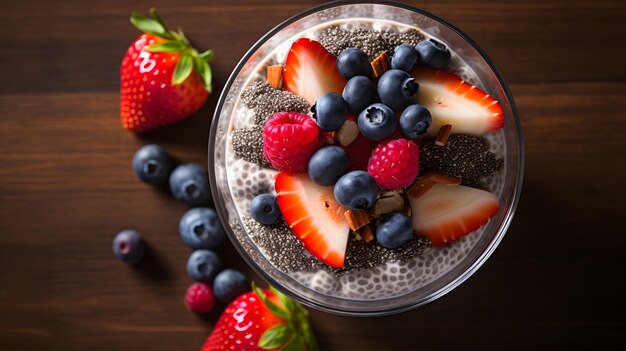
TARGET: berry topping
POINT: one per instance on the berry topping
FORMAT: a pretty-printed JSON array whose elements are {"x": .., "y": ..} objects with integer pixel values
[
  {"x": 328, "y": 164},
  {"x": 377, "y": 122},
  {"x": 356, "y": 190},
  {"x": 264, "y": 209},
  {"x": 310, "y": 71},
  {"x": 359, "y": 93},
  {"x": 152, "y": 164},
  {"x": 128, "y": 246},
  {"x": 199, "y": 298},
  {"x": 202, "y": 265},
  {"x": 394, "y": 230},
  {"x": 289, "y": 140},
  {"x": 189, "y": 183},
  {"x": 448, "y": 212},
  {"x": 330, "y": 112},
  {"x": 353, "y": 62},
  {"x": 394, "y": 163},
  {"x": 414, "y": 121},
  {"x": 314, "y": 216},
  {"x": 433, "y": 53},
  {"x": 200, "y": 228},
  {"x": 229, "y": 284},
  {"x": 397, "y": 89},
  {"x": 404, "y": 57},
  {"x": 453, "y": 101}
]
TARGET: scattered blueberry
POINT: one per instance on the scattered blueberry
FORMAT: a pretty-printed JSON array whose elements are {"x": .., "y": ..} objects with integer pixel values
[
  {"x": 190, "y": 184},
  {"x": 328, "y": 164},
  {"x": 433, "y": 53},
  {"x": 264, "y": 209},
  {"x": 404, "y": 57},
  {"x": 394, "y": 230},
  {"x": 229, "y": 284},
  {"x": 358, "y": 93},
  {"x": 203, "y": 264},
  {"x": 353, "y": 62},
  {"x": 397, "y": 89},
  {"x": 128, "y": 246},
  {"x": 415, "y": 120},
  {"x": 152, "y": 164},
  {"x": 330, "y": 112},
  {"x": 377, "y": 122},
  {"x": 200, "y": 228},
  {"x": 356, "y": 190}
]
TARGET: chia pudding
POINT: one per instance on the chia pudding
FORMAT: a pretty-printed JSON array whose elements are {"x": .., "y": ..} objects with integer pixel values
[{"x": 370, "y": 271}]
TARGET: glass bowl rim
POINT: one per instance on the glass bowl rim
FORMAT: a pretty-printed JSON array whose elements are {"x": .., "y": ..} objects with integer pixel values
[{"x": 463, "y": 276}]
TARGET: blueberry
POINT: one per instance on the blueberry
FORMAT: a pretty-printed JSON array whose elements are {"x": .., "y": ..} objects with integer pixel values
[
  {"x": 358, "y": 93},
  {"x": 394, "y": 230},
  {"x": 128, "y": 246},
  {"x": 415, "y": 120},
  {"x": 397, "y": 89},
  {"x": 353, "y": 62},
  {"x": 152, "y": 164},
  {"x": 200, "y": 228},
  {"x": 330, "y": 112},
  {"x": 404, "y": 57},
  {"x": 264, "y": 209},
  {"x": 433, "y": 53},
  {"x": 228, "y": 284},
  {"x": 328, "y": 164},
  {"x": 377, "y": 122},
  {"x": 356, "y": 190},
  {"x": 190, "y": 184},
  {"x": 203, "y": 264}
]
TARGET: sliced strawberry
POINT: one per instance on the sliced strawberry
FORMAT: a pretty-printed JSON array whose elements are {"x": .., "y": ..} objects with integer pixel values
[
  {"x": 450, "y": 100},
  {"x": 314, "y": 216},
  {"x": 310, "y": 71},
  {"x": 448, "y": 212}
]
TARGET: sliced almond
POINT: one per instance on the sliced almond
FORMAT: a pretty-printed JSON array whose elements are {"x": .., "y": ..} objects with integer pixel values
[
  {"x": 356, "y": 219},
  {"x": 348, "y": 133},
  {"x": 380, "y": 64},
  {"x": 367, "y": 233},
  {"x": 275, "y": 76},
  {"x": 443, "y": 178},
  {"x": 387, "y": 203},
  {"x": 422, "y": 184},
  {"x": 442, "y": 136}
]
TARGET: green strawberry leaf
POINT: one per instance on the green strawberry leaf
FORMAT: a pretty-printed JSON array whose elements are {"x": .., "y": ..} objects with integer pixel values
[
  {"x": 207, "y": 55},
  {"x": 274, "y": 308},
  {"x": 289, "y": 304},
  {"x": 206, "y": 75},
  {"x": 148, "y": 25},
  {"x": 295, "y": 344},
  {"x": 170, "y": 46},
  {"x": 275, "y": 337},
  {"x": 183, "y": 69}
]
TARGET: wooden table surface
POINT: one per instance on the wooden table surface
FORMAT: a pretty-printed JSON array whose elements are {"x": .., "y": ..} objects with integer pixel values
[{"x": 66, "y": 186}]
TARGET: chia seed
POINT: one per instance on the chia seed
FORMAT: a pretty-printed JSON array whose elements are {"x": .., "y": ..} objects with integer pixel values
[
  {"x": 335, "y": 39},
  {"x": 464, "y": 156},
  {"x": 266, "y": 100},
  {"x": 248, "y": 144}
]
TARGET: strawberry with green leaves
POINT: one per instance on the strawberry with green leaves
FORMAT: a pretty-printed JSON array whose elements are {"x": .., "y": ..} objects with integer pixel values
[
  {"x": 163, "y": 77},
  {"x": 262, "y": 320}
]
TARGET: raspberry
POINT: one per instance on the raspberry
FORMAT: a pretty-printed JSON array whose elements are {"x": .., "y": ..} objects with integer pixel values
[
  {"x": 394, "y": 163},
  {"x": 289, "y": 140},
  {"x": 199, "y": 298}
]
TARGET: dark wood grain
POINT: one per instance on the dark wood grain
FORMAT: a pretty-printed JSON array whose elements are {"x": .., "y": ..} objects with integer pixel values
[{"x": 556, "y": 281}]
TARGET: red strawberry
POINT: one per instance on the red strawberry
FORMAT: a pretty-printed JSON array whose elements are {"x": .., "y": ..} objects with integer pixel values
[
  {"x": 289, "y": 140},
  {"x": 310, "y": 71},
  {"x": 394, "y": 163},
  {"x": 262, "y": 320},
  {"x": 314, "y": 216},
  {"x": 448, "y": 212},
  {"x": 163, "y": 78},
  {"x": 450, "y": 100}
]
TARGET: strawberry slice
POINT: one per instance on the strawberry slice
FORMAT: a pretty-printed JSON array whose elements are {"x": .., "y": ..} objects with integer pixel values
[
  {"x": 448, "y": 212},
  {"x": 314, "y": 216},
  {"x": 450, "y": 100},
  {"x": 310, "y": 71}
]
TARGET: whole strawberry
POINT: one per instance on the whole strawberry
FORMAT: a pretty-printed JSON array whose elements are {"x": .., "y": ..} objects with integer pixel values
[
  {"x": 262, "y": 320},
  {"x": 163, "y": 78}
]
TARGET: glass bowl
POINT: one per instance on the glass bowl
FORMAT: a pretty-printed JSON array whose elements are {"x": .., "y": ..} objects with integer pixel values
[{"x": 476, "y": 250}]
